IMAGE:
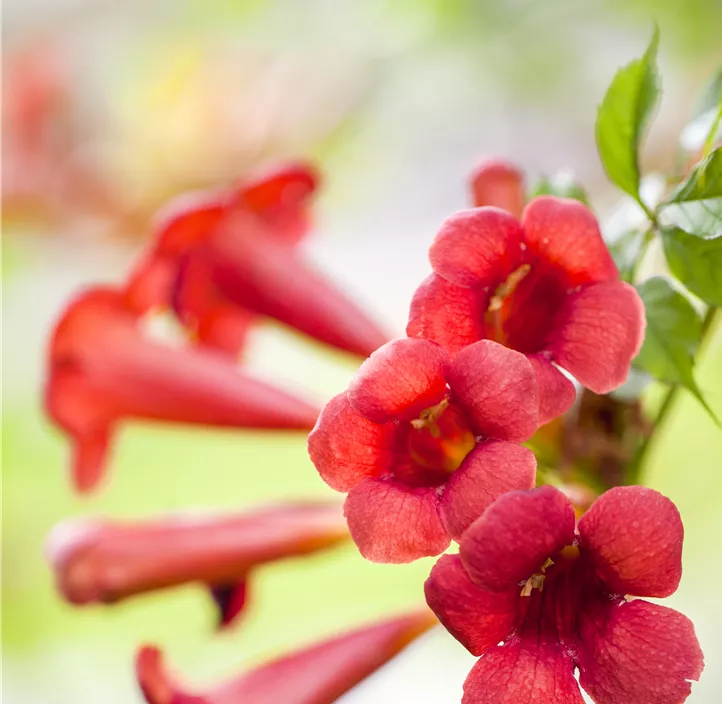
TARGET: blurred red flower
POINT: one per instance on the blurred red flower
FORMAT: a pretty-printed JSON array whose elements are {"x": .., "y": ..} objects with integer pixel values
[
  {"x": 556, "y": 600},
  {"x": 546, "y": 286},
  {"x": 221, "y": 260},
  {"x": 424, "y": 442},
  {"x": 319, "y": 674},
  {"x": 102, "y": 369},
  {"x": 101, "y": 561}
]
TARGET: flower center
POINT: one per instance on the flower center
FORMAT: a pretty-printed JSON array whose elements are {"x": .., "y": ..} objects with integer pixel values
[
  {"x": 522, "y": 308},
  {"x": 439, "y": 440},
  {"x": 552, "y": 596}
]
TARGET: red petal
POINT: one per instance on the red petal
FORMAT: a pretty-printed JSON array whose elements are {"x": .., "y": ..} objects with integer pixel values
[
  {"x": 479, "y": 247},
  {"x": 231, "y": 600},
  {"x": 497, "y": 388},
  {"x": 516, "y": 535},
  {"x": 392, "y": 522},
  {"x": 564, "y": 234},
  {"x": 633, "y": 536},
  {"x": 478, "y": 619},
  {"x": 556, "y": 392},
  {"x": 199, "y": 305},
  {"x": 90, "y": 453},
  {"x": 500, "y": 184},
  {"x": 638, "y": 653},
  {"x": 157, "y": 685},
  {"x": 449, "y": 315},
  {"x": 521, "y": 672},
  {"x": 319, "y": 674},
  {"x": 150, "y": 284},
  {"x": 226, "y": 329},
  {"x": 281, "y": 198},
  {"x": 399, "y": 380},
  {"x": 488, "y": 471},
  {"x": 265, "y": 276},
  {"x": 346, "y": 448},
  {"x": 98, "y": 561},
  {"x": 187, "y": 221},
  {"x": 598, "y": 333}
]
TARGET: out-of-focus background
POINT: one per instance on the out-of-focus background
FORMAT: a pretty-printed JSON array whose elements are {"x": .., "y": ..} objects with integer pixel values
[{"x": 110, "y": 108}]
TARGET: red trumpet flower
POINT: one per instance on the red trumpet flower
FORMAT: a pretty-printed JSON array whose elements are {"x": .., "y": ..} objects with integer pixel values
[
  {"x": 104, "y": 562},
  {"x": 320, "y": 674},
  {"x": 224, "y": 260},
  {"x": 546, "y": 286},
  {"x": 421, "y": 441},
  {"x": 555, "y": 600},
  {"x": 103, "y": 369}
]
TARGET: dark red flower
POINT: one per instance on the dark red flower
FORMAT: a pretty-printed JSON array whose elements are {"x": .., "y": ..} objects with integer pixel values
[
  {"x": 221, "y": 260},
  {"x": 424, "y": 442},
  {"x": 99, "y": 561},
  {"x": 500, "y": 184},
  {"x": 319, "y": 674},
  {"x": 555, "y": 600},
  {"x": 102, "y": 369},
  {"x": 546, "y": 286}
]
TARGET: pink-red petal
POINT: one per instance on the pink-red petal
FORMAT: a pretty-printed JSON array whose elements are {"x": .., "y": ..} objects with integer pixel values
[
  {"x": 497, "y": 388},
  {"x": 399, "y": 380},
  {"x": 346, "y": 448},
  {"x": 564, "y": 234},
  {"x": 478, "y": 247},
  {"x": 500, "y": 184},
  {"x": 392, "y": 522},
  {"x": 491, "y": 469},
  {"x": 633, "y": 536},
  {"x": 521, "y": 672},
  {"x": 477, "y": 618},
  {"x": 597, "y": 334},
  {"x": 638, "y": 653},
  {"x": 516, "y": 535},
  {"x": 450, "y": 315},
  {"x": 556, "y": 392}
]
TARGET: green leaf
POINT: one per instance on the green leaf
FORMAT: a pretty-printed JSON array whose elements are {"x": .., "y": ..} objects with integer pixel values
[
  {"x": 700, "y": 217},
  {"x": 703, "y": 183},
  {"x": 696, "y": 262},
  {"x": 561, "y": 184},
  {"x": 674, "y": 330},
  {"x": 623, "y": 116}
]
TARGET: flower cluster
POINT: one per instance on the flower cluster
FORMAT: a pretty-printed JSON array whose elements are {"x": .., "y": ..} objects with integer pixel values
[
  {"x": 219, "y": 262},
  {"x": 425, "y": 442}
]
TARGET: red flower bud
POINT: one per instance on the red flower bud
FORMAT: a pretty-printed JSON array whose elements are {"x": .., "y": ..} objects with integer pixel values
[
  {"x": 103, "y": 562},
  {"x": 319, "y": 674}
]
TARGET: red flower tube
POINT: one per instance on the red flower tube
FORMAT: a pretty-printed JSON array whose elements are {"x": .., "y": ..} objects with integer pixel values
[
  {"x": 500, "y": 184},
  {"x": 102, "y": 369},
  {"x": 555, "y": 600},
  {"x": 224, "y": 259},
  {"x": 104, "y": 562},
  {"x": 545, "y": 286},
  {"x": 423, "y": 442},
  {"x": 319, "y": 674}
]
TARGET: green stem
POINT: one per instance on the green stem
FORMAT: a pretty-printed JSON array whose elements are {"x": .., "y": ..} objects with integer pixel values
[
  {"x": 664, "y": 410},
  {"x": 647, "y": 239}
]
